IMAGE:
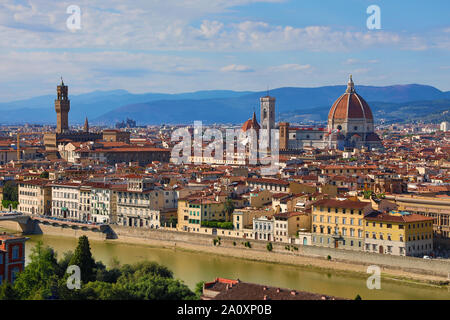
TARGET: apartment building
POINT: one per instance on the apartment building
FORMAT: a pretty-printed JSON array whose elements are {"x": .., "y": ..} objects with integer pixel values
[
  {"x": 101, "y": 197},
  {"x": 398, "y": 233},
  {"x": 34, "y": 197},
  {"x": 192, "y": 211},
  {"x": 436, "y": 207},
  {"x": 65, "y": 200},
  {"x": 138, "y": 203},
  {"x": 339, "y": 223},
  {"x": 263, "y": 228}
]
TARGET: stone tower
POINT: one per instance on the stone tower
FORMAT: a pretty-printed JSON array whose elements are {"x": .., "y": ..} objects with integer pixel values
[
  {"x": 268, "y": 113},
  {"x": 86, "y": 125},
  {"x": 284, "y": 135},
  {"x": 62, "y": 108}
]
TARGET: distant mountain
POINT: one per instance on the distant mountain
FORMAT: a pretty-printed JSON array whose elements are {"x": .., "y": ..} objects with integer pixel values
[
  {"x": 292, "y": 103},
  {"x": 430, "y": 111},
  {"x": 93, "y": 104},
  {"x": 220, "y": 106}
]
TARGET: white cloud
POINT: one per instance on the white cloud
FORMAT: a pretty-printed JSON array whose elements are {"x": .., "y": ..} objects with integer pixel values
[
  {"x": 236, "y": 68},
  {"x": 291, "y": 67}
]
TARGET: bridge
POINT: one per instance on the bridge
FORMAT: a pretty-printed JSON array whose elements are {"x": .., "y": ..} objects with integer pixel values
[
  {"x": 27, "y": 222},
  {"x": 14, "y": 216}
]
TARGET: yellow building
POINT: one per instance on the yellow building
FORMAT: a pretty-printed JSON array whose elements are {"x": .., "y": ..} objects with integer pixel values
[
  {"x": 398, "y": 233},
  {"x": 339, "y": 223},
  {"x": 437, "y": 207},
  {"x": 191, "y": 213}
]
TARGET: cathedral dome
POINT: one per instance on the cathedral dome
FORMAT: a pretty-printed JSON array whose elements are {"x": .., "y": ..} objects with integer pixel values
[
  {"x": 350, "y": 105},
  {"x": 251, "y": 124}
]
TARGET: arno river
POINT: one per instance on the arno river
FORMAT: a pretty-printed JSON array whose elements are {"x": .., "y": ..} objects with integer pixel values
[{"x": 194, "y": 267}]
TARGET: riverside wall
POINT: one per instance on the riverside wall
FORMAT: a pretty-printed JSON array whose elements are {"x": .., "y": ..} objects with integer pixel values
[
  {"x": 281, "y": 252},
  {"x": 434, "y": 267}
]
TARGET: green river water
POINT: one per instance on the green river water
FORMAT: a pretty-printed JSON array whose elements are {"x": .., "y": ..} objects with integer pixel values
[{"x": 192, "y": 267}]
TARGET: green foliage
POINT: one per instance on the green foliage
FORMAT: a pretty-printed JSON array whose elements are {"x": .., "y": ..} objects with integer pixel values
[
  {"x": 358, "y": 297},
  {"x": 247, "y": 244},
  {"x": 329, "y": 257},
  {"x": 6, "y": 203},
  {"x": 216, "y": 241},
  {"x": 7, "y": 292},
  {"x": 199, "y": 289},
  {"x": 39, "y": 280},
  {"x": 83, "y": 259},
  {"x": 44, "y": 175},
  {"x": 45, "y": 278},
  {"x": 367, "y": 194},
  {"x": 234, "y": 243},
  {"x": 218, "y": 224},
  {"x": 269, "y": 246},
  {"x": 228, "y": 208},
  {"x": 10, "y": 191}
]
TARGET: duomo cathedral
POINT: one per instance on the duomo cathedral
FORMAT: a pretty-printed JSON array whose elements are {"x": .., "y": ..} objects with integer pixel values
[{"x": 350, "y": 125}]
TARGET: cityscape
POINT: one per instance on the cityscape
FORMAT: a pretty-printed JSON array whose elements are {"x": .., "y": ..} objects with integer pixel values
[{"x": 333, "y": 188}]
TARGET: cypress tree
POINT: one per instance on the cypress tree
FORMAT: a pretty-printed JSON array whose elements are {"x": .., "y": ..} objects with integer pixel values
[{"x": 83, "y": 259}]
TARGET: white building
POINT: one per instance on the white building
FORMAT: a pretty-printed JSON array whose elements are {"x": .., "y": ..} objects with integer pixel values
[
  {"x": 139, "y": 204},
  {"x": 445, "y": 126},
  {"x": 65, "y": 200},
  {"x": 263, "y": 228}
]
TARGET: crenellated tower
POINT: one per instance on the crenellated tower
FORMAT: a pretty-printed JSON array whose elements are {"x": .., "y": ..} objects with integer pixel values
[{"x": 62, "y": 108}]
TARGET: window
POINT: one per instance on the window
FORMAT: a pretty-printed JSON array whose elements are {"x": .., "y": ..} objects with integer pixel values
[{"x": 15, "y": 253}]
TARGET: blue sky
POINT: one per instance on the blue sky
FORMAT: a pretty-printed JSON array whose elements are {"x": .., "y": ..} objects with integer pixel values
[{"x": 178, "y": 46}]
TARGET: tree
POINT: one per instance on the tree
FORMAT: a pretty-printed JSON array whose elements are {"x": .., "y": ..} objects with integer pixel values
[
  {"x": 44, "y": 175},
  {"x": 83, "y": 259},
  {"x": 228, "y": 208},
  {"x": 39, "y": 279},
  {"x": 269, "y": 246},
  {"x": 10, "y": 191},
  {"x": 199, "y": 289},
  {"x": 7, "y": 292},
  {"x": 151, "y": 281}
]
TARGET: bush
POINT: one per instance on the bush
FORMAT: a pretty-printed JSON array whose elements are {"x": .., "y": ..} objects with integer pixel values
[
  {"x": 358, "y": 297},
  {"x": 234, "y": 243},
  {"x": 247, "y": 244},
  {"x": 329, "y": 257},
  {"x": 269, "y": 246},
  {"x": 218, "y": 224}
]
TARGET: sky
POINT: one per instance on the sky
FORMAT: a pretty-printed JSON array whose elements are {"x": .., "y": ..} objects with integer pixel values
[{"x": 173, "y": 46}]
